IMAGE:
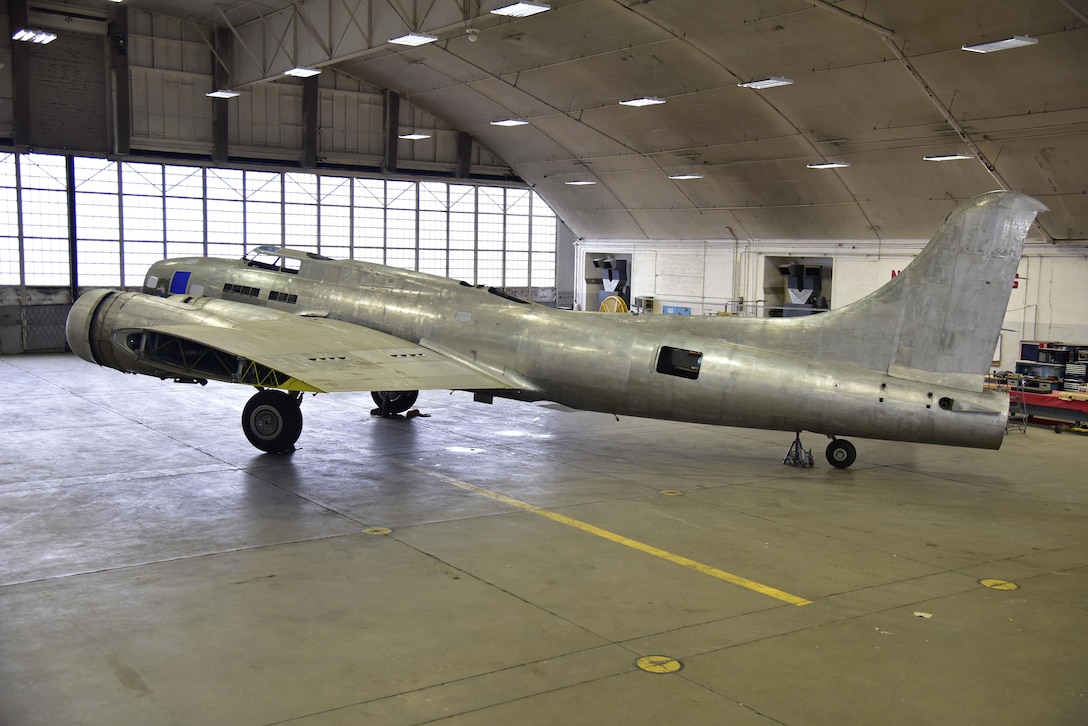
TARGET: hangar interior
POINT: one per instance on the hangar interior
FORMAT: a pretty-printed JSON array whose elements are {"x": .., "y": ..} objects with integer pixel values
[{"x": 514, "y": 563}]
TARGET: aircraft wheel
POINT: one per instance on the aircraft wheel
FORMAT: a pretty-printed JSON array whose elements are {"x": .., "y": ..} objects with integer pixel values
[
  {"x": 393, "y": 402},
  {"x": 272, "y": 421},
  {"x": 841, "y": 453}
]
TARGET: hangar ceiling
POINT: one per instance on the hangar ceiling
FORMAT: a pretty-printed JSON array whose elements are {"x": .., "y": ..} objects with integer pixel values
[{"x": 878, "y": 84}]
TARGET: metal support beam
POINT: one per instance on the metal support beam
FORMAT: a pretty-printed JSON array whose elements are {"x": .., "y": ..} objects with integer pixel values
[
  {"x": 464, "y": 155},
  {"x": 221, "y": 55},
  {"x": 20, "y": 74},
  {"x": 320, "y": 32},
  {"x": 948, "y": 117},
  {"x": 73, "y": 246},
  {"x": 1076, "y": 11},
  {"x": 888, "y": 36},
  {"x": 309, "y": 121},
  {"x": 122, "y": 94},
  {"x": 392, "y": 130}
]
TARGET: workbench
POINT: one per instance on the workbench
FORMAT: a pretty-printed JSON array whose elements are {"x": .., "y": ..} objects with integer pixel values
[{"x": 1051, "y": 406}]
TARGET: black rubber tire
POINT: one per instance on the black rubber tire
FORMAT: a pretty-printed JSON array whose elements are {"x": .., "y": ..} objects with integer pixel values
[
  {"x": 394, "y": 402},
  {"x": 841, "y": 454},
  {"x": 272, "y": 421}
]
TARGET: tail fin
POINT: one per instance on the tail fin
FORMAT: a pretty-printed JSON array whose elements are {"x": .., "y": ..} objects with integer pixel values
[{"x": 940, "y": 318}]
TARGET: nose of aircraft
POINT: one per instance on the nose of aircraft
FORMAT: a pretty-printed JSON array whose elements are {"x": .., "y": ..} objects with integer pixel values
[{"x": 77, "y": 329}]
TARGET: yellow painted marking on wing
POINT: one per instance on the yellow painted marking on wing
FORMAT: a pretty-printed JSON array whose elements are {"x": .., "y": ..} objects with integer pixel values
[
  {"x": 995, "y": 584},
  {"x": 620, "y": 539},
  {"x": 659, "y": 664},
  {"x": 295, "y": 384}
]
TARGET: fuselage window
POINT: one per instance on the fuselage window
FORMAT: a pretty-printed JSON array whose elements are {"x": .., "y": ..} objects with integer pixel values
[
  {"x": 282, "y": 297},
  {"x": 242, "y": 290},
  {"x": 679, "y": 362}
]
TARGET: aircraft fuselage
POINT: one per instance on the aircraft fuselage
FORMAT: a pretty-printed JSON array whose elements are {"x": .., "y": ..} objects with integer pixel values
[{"x": 697, "y": 370}]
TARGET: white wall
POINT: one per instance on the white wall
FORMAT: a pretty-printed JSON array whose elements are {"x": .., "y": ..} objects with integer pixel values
[
  {"x": 1050, "y": 302},
  {"x": 700, "y": 275}
]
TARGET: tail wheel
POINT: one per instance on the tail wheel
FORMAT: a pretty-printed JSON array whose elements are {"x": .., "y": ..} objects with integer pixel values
[
  {"x": 841, "y": 454},
  {"x": 394, "y": 402},
  {"x": 272, "y": 421}
]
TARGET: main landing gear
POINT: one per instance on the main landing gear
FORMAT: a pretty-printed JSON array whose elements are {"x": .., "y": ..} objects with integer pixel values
[
  {"x": 392, "y": 403},
  {"x": 840, "y": 453},
  {"x": 272, "y": 421}
]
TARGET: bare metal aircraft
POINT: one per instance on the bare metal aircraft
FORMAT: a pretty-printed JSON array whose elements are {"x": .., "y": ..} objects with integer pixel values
[{"x": 905, "y": 363}]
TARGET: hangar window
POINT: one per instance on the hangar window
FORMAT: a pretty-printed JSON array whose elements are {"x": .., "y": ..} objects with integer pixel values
[
  {"x": 679, "y": 362},
  {"x": 128, "y": 215}
]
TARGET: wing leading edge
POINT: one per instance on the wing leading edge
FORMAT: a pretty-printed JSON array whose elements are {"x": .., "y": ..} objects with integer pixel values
[{"x": 211, "y": 339}]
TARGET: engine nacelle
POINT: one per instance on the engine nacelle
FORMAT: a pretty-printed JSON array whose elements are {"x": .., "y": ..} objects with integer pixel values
[
  {"x": 131, "y": 332},
  {"x": 77, "y": 329},
  {"x": 105, "y": 327}
]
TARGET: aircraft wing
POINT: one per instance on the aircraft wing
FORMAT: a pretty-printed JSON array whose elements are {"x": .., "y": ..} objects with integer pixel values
[{"x": 326, "y": 355}]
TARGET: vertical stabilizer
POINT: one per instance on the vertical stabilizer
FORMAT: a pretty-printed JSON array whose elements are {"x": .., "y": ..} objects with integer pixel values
[{"x": 940, "y": 318}]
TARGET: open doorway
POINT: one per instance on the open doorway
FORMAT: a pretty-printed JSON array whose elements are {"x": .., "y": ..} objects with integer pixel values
[
  {"x": 607, "y": 274},
  {"x": 794, "y": 286}
]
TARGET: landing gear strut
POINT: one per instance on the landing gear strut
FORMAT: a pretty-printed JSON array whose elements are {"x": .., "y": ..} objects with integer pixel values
[
  {"x": 841, "y": 453},
  {"x": 797, "y": 456},
  {"x": 272, "y": 421}
]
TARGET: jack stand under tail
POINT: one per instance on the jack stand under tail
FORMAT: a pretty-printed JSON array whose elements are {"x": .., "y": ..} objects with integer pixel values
[{"x": 797, "y": 456}]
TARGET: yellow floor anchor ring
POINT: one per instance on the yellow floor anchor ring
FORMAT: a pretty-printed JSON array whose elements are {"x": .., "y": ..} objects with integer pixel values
[{"x": 659, "y": 664}]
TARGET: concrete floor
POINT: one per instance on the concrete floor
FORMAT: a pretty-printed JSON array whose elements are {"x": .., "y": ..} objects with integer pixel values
[{"x": 472, "y": 568}]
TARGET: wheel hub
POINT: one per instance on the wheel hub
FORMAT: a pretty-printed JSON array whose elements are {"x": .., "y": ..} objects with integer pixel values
[{"x": 266, "y": 422}]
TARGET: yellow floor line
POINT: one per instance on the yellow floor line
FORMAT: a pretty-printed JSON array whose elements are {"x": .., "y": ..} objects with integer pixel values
[{"x": 619, "y": 539}]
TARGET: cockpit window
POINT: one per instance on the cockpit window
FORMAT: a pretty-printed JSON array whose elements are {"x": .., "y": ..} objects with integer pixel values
[
  {"x": 506, "y": 296},
  {"x": 265, "y": 260}
]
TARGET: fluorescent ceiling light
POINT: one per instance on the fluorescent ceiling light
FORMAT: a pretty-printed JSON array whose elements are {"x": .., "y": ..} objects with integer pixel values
[
  {"x": 30, "y": 35},
  {"x": 829, "y": 165},
  {"x": 302, "y": 72},
  {"x": 522, "y": 9},
  {"x": 1016, "y": 41},
  {"x": 414, "y": 136},
  {"x": 772, "y": 82},
  {"x": 644, "y": 101},
  {"x": 414, "y": 39},
  {"x": 580, "y": 183},
  {"x": 222, "y": 93},
  {"x": 947, "y": 157},
  {"x": 685, "y": 176},
  {"x": 510, "y": 122}
]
